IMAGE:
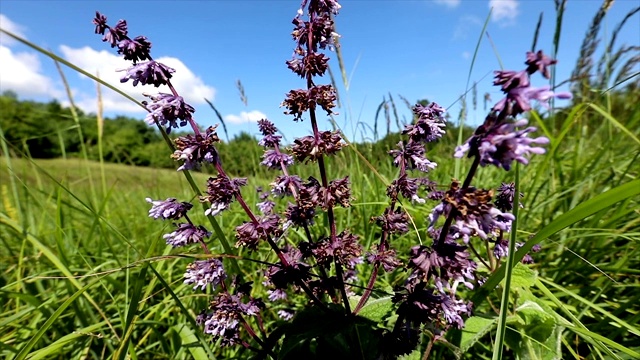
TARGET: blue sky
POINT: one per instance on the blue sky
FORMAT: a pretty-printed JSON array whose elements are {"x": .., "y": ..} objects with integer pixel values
[{"x": 417, "y": 49}]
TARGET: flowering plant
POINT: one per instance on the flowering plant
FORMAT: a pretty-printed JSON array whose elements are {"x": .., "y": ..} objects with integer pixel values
[{"x": 325, "y": 268}]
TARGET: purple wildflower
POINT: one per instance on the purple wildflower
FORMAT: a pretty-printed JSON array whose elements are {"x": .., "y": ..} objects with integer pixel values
[
  {"x": 518, "y": 100},
  {"x": 338, "y": 192},
  {"x": 412, "y": 156},
  {"x": 100, "y": 21},
  {"x": 282, "y": 276},
  {"x": 268, "y": 130},
  {"x": 509, "y": 80},
  {"x": 429, "y": 126},
  {"x": 166, "y": 109},
  {"x": 249, "y": 233},
  {"x": 344, "y": 250},
  {"x": 281, "y": 186},
  {"x": 474, "y": 213},
  {"x": 312, "y": 64},
  {"x": 286, "y": 314},
  {"x": 266, "y": 207},
  {"x": 504, "y": 199},
  {"x": 310, "y": 148},
  {"x": 387, "y": 258},
  {"x": 501, "y": 250},
  {"x": 276, "y": 294},
  {"x": 274, "y": 159},
  {"x": 539, "y": 62},
  {"x": 136, "y": 49},
  {"x": 115, "y": 34},
  {"x": 196, "y": 149},
  {"x": 299, "y": 101},
  {"x": 205, "y": 272},
  {"x": 393, "y": 221},
  {"x": 186, "y": 234},
  {"x": 406, "y": 186},
  {"x": 502, "y": 144},
  {"x": 148, "y": 72},
  {"x": 221, "y": 191},
  {"x": 169, "y": 209},
  {"x": 226, "y": 313}
]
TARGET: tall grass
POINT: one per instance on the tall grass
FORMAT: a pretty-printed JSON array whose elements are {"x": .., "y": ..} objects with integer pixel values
[{"x": 85, "y": 274}]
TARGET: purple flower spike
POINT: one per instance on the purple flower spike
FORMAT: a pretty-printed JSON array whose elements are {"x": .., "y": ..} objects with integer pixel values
[
  {"x": 204, "y": 272},
  {"x": 269, "y": 131},
  {"x": 429, "y": 126},
  {"x": 225, "y": 316},
  {"x": 503, "y": 144},
  {"x": 510, "y": 80},
  {"x": 186, "y": 234},
  {"x": 166, "y": 109},
  {"x": 412, "y": 154},
  {"x": 221, "y": 191},
  {"x": 474, "y": 212},
  {"x": 388, "y": 258},
  {"x": 286, "y": 314},
  {"x": 168, "y": 209},
  {"x": 518, "y": 100},
  {"x": 115, "y": 34},
  {"x": 539, "y": 62},
  {"x": 100, "y": 21},
  {"x": 274, "y": 159},
  {"x": 196, "y": 149},
  {"x": 282, "y": 185},
  {"x": 148, "y": 72},
  {"x": 136, "y": 49}
]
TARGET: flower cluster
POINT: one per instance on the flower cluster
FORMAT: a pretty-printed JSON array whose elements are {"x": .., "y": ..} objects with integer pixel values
[
  {"x": 202, "y": 272},
  {"x": 322, "y": 261},
  {"x": 165, "y": 109},
  {"x": 497, "y": 141}
]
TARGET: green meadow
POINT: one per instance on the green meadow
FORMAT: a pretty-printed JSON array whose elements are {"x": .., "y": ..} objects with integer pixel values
[{"x": 85, "y": 272}]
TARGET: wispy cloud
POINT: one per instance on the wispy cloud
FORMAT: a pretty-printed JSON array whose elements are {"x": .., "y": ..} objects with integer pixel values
[
  {"x": 467, "y": 24},
  {"x": 21, "y": 72},
  {"x": 10, "y": 26},
  {"x": 448, "y": 3},
  {"x": 245, "y": 117},
  {"x": 504, "y": 12},
  {"x": 106, "y": 64}
]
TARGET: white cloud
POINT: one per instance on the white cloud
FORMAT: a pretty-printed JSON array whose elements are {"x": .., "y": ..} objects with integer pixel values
[
  {"x": 10, "y": 26},
  {"x": 466, "y": 55},
  {"x": 448, "y": 3},
  {"x": 21, "y": 72},
  {"x": 245, "y": 117},
  {"x": 467, "y": 24},
  {"x": 106, "y": 63},
  {"x": 504, "y": 11}
]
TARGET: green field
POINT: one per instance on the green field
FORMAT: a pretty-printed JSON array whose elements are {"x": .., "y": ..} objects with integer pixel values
[
  {"x": 85, "y": 273},
  {"x": 72, "y": 225}
]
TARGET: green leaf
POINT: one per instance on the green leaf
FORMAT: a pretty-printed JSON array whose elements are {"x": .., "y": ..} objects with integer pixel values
[
  {"x": 190, "y": 341},
  {"x": 523, "y": 277},
  {"x": 377, "y": 309},
  {"x": 538, "y": 324},
  {"x": 547, "y": 350},
  {"x": 414, "y": 355},
  {"x": 474, "y": 329},
  {"x": 580, "y": 212},
  {"x": 34, "y": 340}
]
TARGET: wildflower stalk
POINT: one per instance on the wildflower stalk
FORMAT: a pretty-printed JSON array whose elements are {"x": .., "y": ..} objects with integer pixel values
[
  {"x": 454, "y": 212},
  {"x": 429, "y": 296},
  {"x": 272, "y": 244}
]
